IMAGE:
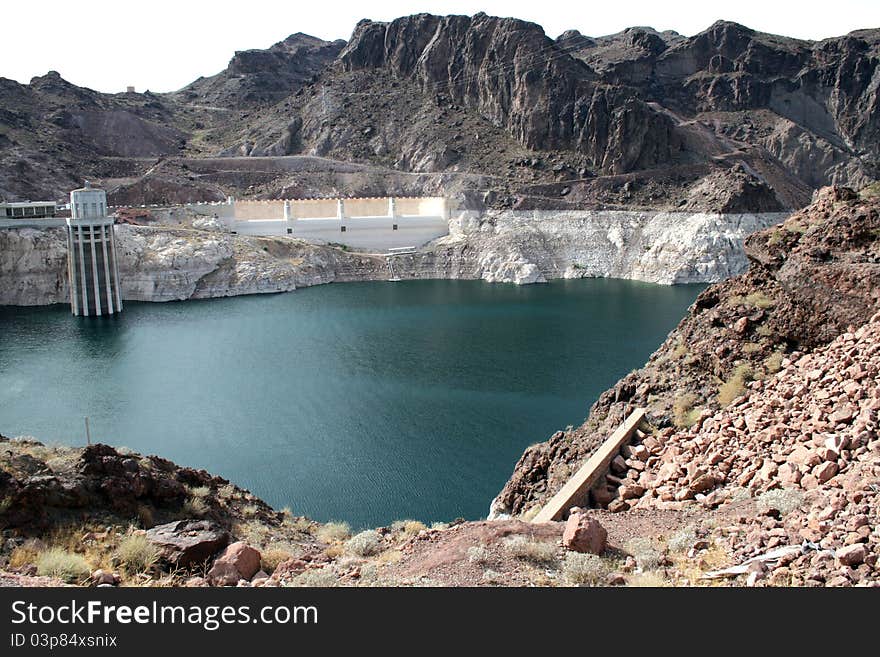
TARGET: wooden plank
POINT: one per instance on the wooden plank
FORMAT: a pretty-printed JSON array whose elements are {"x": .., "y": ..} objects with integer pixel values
[{"x": 582, "y": 480}]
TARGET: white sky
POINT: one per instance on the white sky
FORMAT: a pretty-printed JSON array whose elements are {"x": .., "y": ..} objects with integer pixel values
[{"x": 163, "y": 45}]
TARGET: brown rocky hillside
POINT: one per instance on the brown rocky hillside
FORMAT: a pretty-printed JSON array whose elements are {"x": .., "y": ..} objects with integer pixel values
[{"x": 809, "y": 279}]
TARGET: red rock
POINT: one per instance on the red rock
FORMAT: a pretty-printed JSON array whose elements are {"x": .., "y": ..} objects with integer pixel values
[
  {"x": 630, "y": 491},
  {"x": 584, "y": 534},
  {"x": 809, "y": 482},
  {"x": 238, "y": 561},
  {"x": 824, "y": 471},
  {"x": 741, "y": 325},
  {"x": 703, "y": 483},
  {"x": 196, "y": 582},
  {"x": 789, "y": 474},
  {"x": 852, "y": 555},
  {"x": 843, "y": 415}
]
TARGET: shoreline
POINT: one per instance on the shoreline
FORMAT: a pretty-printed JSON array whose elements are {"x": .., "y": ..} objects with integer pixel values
[{"x": 166, "y": 263}]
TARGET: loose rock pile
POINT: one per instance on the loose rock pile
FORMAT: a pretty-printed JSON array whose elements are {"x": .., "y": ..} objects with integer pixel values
[{"x": 804, "y": 444}]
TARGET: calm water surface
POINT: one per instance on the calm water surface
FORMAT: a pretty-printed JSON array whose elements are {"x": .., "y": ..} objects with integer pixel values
[{"x": 364, "y": 402}]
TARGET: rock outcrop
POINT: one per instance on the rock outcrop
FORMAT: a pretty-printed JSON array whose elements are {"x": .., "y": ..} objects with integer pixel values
[
  {"x": 188, "y": 542},
  {"x": 257, "y": 77}
]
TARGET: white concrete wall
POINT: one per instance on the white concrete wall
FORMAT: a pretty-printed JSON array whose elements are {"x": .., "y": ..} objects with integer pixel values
[{"x": 371, "y": 233}]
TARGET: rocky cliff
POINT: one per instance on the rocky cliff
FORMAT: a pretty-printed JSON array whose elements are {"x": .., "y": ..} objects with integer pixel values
[
  {"x": 165, "y": 263},
  {"x": 809, "y": 279},
  {"x": 260, "y": 77}
]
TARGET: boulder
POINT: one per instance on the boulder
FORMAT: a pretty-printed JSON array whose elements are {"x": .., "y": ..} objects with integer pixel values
[
  {"x": 584, "y": 534},
  {"x": 187, "y": 542},
  {"x": 852, "y": 555},
  {"x": 105, "y": 578},
  {"x": 238, "y": 561}
]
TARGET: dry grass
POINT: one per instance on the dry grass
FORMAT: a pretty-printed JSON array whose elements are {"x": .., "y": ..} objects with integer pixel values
[
  {"x": 735, "y": 386},
  {"x": 388, "y": 557},
  {"x": 479, "y": 554},
  {"x": 136, "y": 554},
  {"x": 68, "y": 566},
  {"x": 774, "y": 362},
  {"x": 584, "y": 569},
  {"x": 408, "y": 528},
  {"x": 754, "y": 300},
  {"x": 684, "y": 415},
  {"x": 529, "y": 549},
  {"x": 365, "y": 544},
  {"x": 322, "y": 577},
  {"x": 682, "y": 540},
  {"x": 270, "y": 559},
  {"x": 651, "y": 580},
  {"x": 333, "y": 532},
  {"x": 646, "y": 555},
  {"x": 784, "y": 500}
]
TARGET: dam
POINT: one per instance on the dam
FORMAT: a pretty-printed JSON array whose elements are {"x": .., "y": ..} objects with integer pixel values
[{"x": 374, "y": 224}]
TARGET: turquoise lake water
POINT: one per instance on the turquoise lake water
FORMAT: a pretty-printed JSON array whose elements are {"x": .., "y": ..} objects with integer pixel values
[{"x": 363, "y": 402}]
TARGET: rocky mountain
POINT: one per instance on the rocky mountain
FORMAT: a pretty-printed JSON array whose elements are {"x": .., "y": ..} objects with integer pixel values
[
  {"x": 259, "y": 77},
  {"x": 728, "y": 118}
]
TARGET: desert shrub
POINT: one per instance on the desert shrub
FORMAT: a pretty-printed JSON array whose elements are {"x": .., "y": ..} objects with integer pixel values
[
  {"x": 735, "y": 385},
  {"x": 439, "y": 525},
  {"x": 195, "y": 506},
  {"x": 59, "y": 563},
  {"x": 333, "y": 531},
  {"x": 365, "y": 544},
  {"x": 270, "y": 559},
  {"x": 646, "y": 555},
  {"x": 751, "y": 348},
  {"x": 529, "y": 549},
  {"x": 492, "y": 578},
  {"x": 755, "y": 300},
  {"x": 870, "y": 191},
  {"x": 321, "y": 577},
  {"x": 774, "y": 363},
  {"x": 407, "y": 527},
  {"x": 684, "y": 415},
  {"x": 784, "y": 500},
  {"x": 26, "y": 553},
  {"x": 680, "y": 351},
  {"x": 579, "y": 569},
  {"x": 764, "y": 331},
  {"x": 136, "y": 553},
  {"x": 479, "y": 554},
  {"x": 683, "y": 539},
  {"x": 200, "y": 492}
]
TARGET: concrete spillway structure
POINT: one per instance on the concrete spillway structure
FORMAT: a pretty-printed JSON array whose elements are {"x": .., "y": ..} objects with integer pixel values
[{"x": 91, "y": 249}]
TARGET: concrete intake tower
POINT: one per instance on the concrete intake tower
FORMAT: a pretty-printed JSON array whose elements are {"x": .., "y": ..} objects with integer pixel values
[{"x": 92, "y": 268}]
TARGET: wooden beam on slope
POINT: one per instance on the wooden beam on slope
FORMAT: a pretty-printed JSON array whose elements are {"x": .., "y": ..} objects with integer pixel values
[{"x": 582, "y": 480}]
